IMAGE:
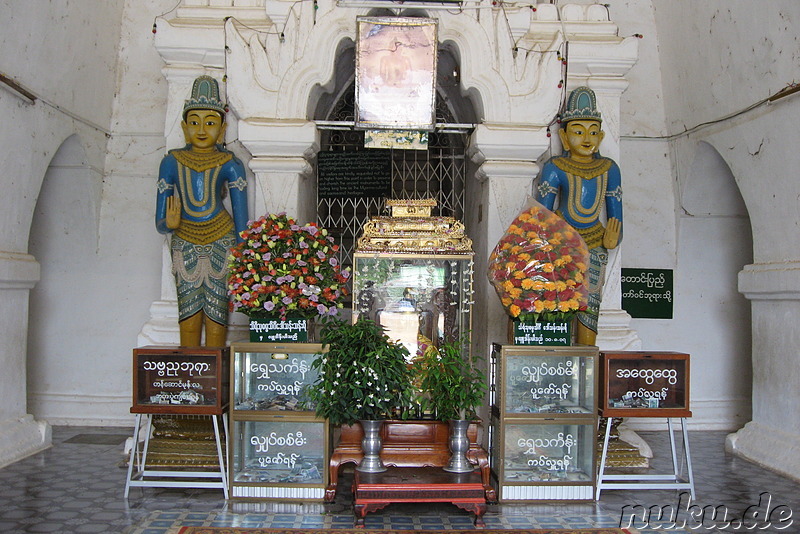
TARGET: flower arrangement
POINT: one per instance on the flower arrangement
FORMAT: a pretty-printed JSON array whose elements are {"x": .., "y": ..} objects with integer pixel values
[
  {"x": 283, "y": 269},
  {"x": 363, "y": 376},
  {"x": 538, "y": 267}
]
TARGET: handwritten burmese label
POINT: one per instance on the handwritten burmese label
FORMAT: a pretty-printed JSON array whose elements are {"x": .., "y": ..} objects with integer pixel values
[
  {"x": 282, "y": 389},
  {"x": 292, "y": 439},
  {"x": 297, "y": 325},
  {"x": 551, "y": 464},
  {"x": 535, "y": 373},
  {"x": 177, "y": 384},
  {"x": 277, "y": 331},
  {"x": 267, "y": 370},
  {"x": 279, "y": 459},
  {"x": 561, "y": 441},
  {"x": 542, "y": 333},
  {"x": 642, "y": 393},
  {"x": 649, "y": 375},
  {"x": 170, "y": 368},
  {"x": 562, "y": 391},
  {"x": 647, "y": 293}
]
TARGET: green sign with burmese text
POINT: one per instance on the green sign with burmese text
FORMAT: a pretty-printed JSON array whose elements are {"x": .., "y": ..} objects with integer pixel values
[{"x": 647, "y": 293}]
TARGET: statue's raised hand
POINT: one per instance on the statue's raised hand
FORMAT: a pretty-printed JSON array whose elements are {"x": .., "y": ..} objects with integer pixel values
[
  {"x": 173, "y": 212},
  {"x": 613, "y": 230}
]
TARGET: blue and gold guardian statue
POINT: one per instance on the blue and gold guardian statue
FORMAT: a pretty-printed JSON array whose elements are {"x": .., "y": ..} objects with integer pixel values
[
  {"x": 583, "y": 182},
  {"x": 192, "y": 183}
]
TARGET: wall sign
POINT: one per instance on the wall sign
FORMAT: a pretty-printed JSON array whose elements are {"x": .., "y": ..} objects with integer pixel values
[
  {"x": 647, "y": 293},
  {"x": 366, "y": 173}
]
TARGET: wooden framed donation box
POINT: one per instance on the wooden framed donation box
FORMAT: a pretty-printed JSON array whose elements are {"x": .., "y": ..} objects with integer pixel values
[
  {"x": 544, "y": 421},
  {"x": 279, "y": 449},
  {"x": 174, "y": 390},
  {"x": 646, "y": 384}
]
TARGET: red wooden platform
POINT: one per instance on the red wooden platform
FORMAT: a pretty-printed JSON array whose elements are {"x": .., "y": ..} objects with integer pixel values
[{"x": 374, "y": 491}]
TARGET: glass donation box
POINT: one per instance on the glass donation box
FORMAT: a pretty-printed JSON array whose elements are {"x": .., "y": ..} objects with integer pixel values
[
  {"x": 542, "y": 444},
  {"x": 412, "y": 274},
  {"x": 279, "y": 449},
  {"x": 645, "y": 384}
]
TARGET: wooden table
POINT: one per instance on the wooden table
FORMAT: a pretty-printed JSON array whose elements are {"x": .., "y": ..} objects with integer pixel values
[
  {"x": 413, "y": 443},
  {"x": 374, "y": 491}
]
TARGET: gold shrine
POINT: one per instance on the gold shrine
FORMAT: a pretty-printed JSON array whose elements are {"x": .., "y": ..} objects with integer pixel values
[
  {"x": 411, "y": 228},
  {"x": 412, "y": 273}
]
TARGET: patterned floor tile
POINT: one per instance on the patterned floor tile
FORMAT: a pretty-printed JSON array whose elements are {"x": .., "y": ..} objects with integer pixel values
[{"x": 77, "y": 487}]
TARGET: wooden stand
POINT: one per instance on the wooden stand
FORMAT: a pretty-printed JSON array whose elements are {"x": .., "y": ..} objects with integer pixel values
[
  {"x": 419, "y": 443},
  {"x": 374, "y": 491}
]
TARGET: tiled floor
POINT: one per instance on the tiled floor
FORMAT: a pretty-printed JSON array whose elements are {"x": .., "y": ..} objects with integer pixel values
[{"x": 77, "y": 486}]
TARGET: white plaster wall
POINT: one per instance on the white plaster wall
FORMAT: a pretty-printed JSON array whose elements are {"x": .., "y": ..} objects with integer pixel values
[
  {"x": 114, "y": 287},
  {"x": 674, "y": 215},
  {"x": 724, "y": 58},
  {"x": 65, "y": 53}
]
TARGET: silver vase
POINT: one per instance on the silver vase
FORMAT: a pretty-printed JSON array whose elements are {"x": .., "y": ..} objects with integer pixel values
[
  {"x": 459, "y": 445},
  {"x": 371, "y": 447}
]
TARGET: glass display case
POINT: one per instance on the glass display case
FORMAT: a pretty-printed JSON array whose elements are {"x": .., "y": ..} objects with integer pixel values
[
  {"x": 412, "y": 273},
  {"x": 531, "y": 457},
  {"x": 279, "y": 457},
  {"x": 542, "y": 444},
  {"x": 645, "y": 384},
  {"x": 414, "y": 297},
  {"x": 544, "y": 380},
  {"x": 278, "y": 448},
  {"x": 180, "y": 380},
  {"x": 272, "y": 377}
]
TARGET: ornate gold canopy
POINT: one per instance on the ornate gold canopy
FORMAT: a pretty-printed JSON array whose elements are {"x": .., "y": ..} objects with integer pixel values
[{"x": 411, "y": 229}]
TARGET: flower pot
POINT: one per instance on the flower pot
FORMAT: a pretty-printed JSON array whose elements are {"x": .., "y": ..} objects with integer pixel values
[
  {"x": 371, "y": 447},
  {"x": 459, "y": 445},
  {"x": 277, "y": 330},
  {"x": 540, "y": 333}
]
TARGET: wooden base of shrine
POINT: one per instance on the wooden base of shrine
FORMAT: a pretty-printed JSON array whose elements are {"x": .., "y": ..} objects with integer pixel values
[
  {"x": 374, "y": 491},
  {"x": 416, "y": 443}
]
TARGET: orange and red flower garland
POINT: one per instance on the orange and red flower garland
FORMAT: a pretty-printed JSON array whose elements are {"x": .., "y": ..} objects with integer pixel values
[{"x": 538, "y": 267}]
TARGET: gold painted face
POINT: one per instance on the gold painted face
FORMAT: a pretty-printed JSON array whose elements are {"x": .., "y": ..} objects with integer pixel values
[
  {"x": 203, "y": 128},
  {"x": 582, "y": 138}
]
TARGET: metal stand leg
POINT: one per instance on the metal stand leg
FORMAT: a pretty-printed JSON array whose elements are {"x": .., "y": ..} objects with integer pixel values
[
  {"x": 220, "y": 456},
  {"x": 690, "y": 473},
  {"x": 134, "y": 453},
  {"x": 141, "y": 476},
  {"x": 603, "y": 459},
  {"x": 649, "y": 481}
]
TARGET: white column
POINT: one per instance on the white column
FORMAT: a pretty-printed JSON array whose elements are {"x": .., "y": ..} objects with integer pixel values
[
  {"x": 20, "y": 434},
  {"x": 507, "y": 157},
  {"x": 282, "y": 151},
  {"x": 772, "y": 438}
]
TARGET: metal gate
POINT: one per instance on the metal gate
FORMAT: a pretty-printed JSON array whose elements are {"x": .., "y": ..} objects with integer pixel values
[{"x": 438, "y": 172}]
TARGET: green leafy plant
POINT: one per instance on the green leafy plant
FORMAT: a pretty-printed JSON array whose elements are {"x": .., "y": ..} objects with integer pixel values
[
  {"x": 362, "y": 376},
  {"x": 452, "y": 386}
]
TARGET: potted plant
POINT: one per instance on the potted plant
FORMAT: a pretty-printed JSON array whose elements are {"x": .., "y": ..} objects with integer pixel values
[
  {"x": 284, "y": 270},
  {"x": 363, "y": 377},
  {"x": 453, "y": 388}
]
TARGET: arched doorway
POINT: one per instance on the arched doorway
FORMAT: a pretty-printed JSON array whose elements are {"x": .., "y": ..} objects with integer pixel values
[
  {"x": 64, "y": 239},
  {"x": 714, "y": 243},
  {"x": 441, "y": 172}
]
